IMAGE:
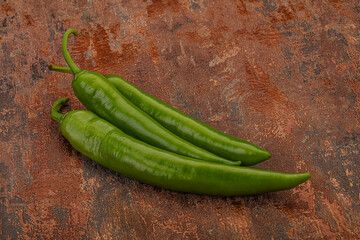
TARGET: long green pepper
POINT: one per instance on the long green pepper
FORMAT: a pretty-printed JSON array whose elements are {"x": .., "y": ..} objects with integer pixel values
[
  {"x": 101, "y": 97},
  {"x": 188, "y": 128},
  {"x": 109, "y": 146},
  {"x": 182, "y": 125}
]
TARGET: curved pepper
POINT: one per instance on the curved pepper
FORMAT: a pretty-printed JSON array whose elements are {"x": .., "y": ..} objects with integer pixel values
[
  {"x": 188, "y": 128},
  {"x": 101, "y": 97},
  {"x": 109, "y": 146}
]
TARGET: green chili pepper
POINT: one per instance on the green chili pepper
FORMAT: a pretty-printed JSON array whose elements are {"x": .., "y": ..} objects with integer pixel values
[
  {"x": 101, "y": 97},
  {"x": 188, "y": 128},
  {"x": 109, "y": 146}
]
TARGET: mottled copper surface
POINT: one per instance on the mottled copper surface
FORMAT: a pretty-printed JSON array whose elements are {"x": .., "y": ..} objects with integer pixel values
[{"x": 281, "y": 74}]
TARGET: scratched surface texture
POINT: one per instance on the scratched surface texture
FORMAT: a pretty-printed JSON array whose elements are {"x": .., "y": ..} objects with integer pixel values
[{"x": 283, "y": 75}]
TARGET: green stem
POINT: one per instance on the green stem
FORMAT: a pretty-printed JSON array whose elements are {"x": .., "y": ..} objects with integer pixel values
[
  {"x": 59, "y": 69},
  {"x": 66, "y": 54},
  {"x": 56, "y": 108}
]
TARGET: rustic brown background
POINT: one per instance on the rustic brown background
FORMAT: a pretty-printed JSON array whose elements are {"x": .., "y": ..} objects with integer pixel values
[{"x": 284, "y": 75}]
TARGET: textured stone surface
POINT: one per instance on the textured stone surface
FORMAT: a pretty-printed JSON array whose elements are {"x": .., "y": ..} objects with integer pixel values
[{"x": 284, "y": 75}]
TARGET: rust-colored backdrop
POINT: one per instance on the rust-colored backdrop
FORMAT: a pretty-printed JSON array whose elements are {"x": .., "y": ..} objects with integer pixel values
[{"x": 281, "y": 74}]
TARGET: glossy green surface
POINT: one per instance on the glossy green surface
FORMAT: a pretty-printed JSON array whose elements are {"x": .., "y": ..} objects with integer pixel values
[
  {"x": 112, "y": 148},
  {"x": 101, "y": 97},
  {"x": 185, "y": 126},
  {"x": 189, "y": 128}
]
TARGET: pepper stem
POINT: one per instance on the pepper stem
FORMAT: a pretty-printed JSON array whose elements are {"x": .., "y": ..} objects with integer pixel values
[
  {"x": 58, "y": 104},
  {"x": 59, "y": 69},
  {"x": 65, "y": 51}
]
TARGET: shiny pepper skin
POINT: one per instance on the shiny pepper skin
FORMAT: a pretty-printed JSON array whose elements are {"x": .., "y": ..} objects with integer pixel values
[
  {"x": 109, "y": 146},
  {"x": 190, "y": 129},
  {"x": 101, "y": 97}
]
